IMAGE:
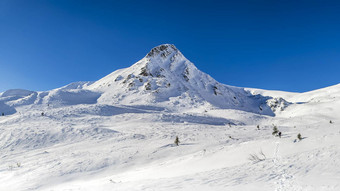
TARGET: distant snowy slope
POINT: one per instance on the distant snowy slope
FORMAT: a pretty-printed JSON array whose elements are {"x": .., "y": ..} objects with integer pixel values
[
  {"x": 321, "y": 94},
  {"x": 314, "y": 105}
]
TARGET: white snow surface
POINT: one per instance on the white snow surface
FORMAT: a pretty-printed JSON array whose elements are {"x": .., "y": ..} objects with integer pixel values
[{"x": 118, "y": 133}]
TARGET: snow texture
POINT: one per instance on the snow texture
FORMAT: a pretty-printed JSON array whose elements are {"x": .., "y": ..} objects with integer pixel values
[{"x": 118, "y": 133}]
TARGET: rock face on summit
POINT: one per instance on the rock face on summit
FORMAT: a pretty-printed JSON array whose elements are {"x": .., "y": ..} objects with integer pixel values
[{"x": 164, "y": 77}]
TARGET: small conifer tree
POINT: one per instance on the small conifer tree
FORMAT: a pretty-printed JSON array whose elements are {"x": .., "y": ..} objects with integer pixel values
[
  {"x": 177, "y": 141},
  {"x": 275, "y": 131},
  {"x": 299, "y": 137}
]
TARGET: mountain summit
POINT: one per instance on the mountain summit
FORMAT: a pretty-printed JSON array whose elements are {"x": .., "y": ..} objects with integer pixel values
[
  {"x": 164, "y": 77},
  {"x": 163, "y": 50}
]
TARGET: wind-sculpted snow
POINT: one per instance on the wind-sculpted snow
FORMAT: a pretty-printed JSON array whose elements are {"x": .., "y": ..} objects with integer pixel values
[
  {"x": 17, "y": 93},
  {"x": 187, "y": 118},
  {"x": 36, "y": 137},
  {"x": 77, "y": 85},
  {"x": 6, "y": 109},
  {"x": 18, "y": 97},
  {"x": 107, "y": 110},
  {"x": 27, "y": 100},
  {"x": 147, "y": 108},
  {"x": 73, "y": 97}
]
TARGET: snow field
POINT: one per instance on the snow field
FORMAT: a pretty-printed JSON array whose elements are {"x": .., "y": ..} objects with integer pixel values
[{"x": 118, "y": 133}]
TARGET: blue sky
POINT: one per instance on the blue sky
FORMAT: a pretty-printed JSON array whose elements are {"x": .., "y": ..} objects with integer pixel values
[{"x": 279, "y": 45}]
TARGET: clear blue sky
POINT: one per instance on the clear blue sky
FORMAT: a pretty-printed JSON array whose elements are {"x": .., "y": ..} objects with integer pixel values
[{"x": 281, "y": 45}]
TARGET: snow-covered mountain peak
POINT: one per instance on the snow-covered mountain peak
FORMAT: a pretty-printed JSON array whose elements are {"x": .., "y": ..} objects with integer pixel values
[
  {"x": 162, "y": 62},
  {"x": 162, "y": 59},
  {"x": 162, "y": 50},
  {"x": 165, "y": 77}
]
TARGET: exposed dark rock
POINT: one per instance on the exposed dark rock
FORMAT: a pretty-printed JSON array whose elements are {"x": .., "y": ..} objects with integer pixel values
[
  {"x": 215, "y": 90},
  {"x": 144, "y": 72},
  {"x": 148, "y": 86}
]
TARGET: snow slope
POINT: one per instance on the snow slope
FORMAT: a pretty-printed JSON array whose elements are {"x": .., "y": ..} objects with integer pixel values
[{"x": 117, "y": 133}]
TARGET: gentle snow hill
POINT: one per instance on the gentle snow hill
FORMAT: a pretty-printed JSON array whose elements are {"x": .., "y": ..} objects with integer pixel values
[
  {"x": 323, "y": 93},
  {"x": 118, "y": 134},
  {"x": 321, "y": 104}
]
